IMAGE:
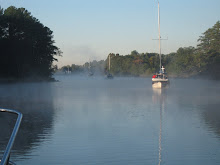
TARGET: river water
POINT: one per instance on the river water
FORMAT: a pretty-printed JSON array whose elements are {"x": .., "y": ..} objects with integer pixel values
[{"x": 123, "y": 121}]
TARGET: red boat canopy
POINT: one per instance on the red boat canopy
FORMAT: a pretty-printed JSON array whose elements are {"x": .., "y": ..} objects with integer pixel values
[{"x": 154, "y": 76}]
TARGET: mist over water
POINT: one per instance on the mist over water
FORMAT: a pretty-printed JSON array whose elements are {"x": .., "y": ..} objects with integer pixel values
[{"x": 91, "y": 120}]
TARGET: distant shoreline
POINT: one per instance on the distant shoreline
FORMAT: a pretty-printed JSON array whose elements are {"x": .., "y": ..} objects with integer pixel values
[{"x": 171, "y": 76}]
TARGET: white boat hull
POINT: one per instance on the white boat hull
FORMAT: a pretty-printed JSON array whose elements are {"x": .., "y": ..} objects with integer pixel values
[
  {"x": 157, "y": 85},
  {"x": 160, "y": 84},
  {"x": 160, "y": 80}
]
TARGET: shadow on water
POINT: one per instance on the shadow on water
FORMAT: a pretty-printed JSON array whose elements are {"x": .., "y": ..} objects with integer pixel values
[
  {"x": 204, "y": 96},
  {"x": 35, "y": 101},
  {"x": 211, "y": 116}
]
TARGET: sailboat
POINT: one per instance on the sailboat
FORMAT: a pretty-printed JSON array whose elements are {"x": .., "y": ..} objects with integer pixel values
[
  {"x": 90, "y": 72},
  {"x": 160, "y": 80},
  {"x": 109, "y": 75}
]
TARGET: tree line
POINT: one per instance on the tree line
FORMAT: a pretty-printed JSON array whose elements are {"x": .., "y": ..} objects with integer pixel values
[
  {"x": 97, "y": 67},
  {"x": 27, "y": 49},
  {"x": 203, "y": 60}
]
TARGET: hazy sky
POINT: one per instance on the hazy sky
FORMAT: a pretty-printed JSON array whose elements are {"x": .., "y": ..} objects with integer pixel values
[{"x": 87, "y": 30}]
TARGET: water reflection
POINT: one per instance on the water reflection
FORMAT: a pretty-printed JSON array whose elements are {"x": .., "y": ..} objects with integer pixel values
[
  {"x": 159, "y": 96},
  {"x": 123, "y": 121},
  {"x": 211, "y": 116},
  {"x": 201, "y": 97},
  {"x": 35, "y": 101}
]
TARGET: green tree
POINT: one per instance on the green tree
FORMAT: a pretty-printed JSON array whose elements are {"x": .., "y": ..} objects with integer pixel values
[
  {"x": 27, "y": 46},
  {"x": 208, "y": 52},
  {"x": 134, "y": 64},
  {"x": 134, "y": 53},
  {"x": 182, "y": 62}
]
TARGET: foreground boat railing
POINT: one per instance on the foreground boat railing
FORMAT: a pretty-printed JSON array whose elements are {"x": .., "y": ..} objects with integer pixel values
[{"x": 6, "y": 155}]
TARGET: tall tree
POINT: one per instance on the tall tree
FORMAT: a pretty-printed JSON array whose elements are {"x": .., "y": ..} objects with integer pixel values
[
  {"x": 209, "y": 50},
  {"x": 27, "y": 46}
]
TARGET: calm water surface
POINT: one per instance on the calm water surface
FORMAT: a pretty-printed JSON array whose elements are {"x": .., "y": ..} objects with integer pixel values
[{"x": 93, "y": 121}]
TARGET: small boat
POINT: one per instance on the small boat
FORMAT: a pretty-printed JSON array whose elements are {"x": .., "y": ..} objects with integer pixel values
[
  {"x": 160, "y": 80},
  {"x": 109, "y": 75},
  {"x": 90, "y": 72}
]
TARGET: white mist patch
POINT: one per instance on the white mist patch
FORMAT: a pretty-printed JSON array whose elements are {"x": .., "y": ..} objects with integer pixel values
[{"x": 78, "y": 54}]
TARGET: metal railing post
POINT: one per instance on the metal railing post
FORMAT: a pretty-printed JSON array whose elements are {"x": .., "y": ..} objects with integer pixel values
[{"x": 6, "y": 155}]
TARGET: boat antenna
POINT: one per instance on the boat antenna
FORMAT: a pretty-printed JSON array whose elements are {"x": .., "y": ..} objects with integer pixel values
[{"x": 109, "y": 62}]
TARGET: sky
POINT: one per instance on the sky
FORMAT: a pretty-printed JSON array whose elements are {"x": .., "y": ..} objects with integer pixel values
[{"x": 87, "y": 30}]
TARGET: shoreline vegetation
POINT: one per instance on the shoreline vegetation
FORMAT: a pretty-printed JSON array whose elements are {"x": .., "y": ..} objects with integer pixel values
[
  {"x": 202, "y": 61},
  {"x": 28, "y": 52}
]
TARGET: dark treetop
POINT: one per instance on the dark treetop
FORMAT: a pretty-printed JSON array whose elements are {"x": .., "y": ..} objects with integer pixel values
[{"x": 27, "y": 47}]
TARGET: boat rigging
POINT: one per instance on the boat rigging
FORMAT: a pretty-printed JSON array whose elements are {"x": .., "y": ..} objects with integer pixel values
[{"x": 160, "y": 79}]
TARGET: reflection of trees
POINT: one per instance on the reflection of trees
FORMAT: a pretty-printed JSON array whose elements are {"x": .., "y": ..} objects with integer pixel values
[
  {"x": 35, "y": 102},
  {"x": 202, "y": 96},
  {"x": 212, "y": 117}
]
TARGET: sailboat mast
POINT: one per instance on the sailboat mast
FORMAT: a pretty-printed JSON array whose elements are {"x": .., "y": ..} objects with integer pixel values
[
  {"x": 109, "y": 62},
  {"x": 159, "y": 33}
]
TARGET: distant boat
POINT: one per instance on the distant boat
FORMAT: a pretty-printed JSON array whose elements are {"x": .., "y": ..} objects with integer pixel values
[
  {"x": 68, "y": 71},
  {"x": 90, "y": 72},
  {"x": 109, "y": 75},
  {"x": 160, "y": 80}
]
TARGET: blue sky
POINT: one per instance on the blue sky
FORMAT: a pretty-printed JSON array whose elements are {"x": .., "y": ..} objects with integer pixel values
[{"x": 87, "y": 30}]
